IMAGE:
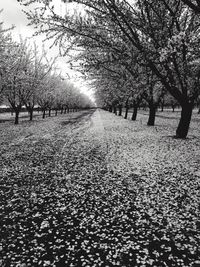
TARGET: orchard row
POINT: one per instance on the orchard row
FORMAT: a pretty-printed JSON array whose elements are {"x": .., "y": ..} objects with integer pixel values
[{"x": 28, "y": 79}]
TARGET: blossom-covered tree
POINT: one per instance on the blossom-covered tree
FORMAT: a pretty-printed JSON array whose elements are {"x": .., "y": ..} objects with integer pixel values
[
  {"x": 15, "y": 76},
  {"x": 37, "y": 70},
  {"x": 5, "y": 42}
]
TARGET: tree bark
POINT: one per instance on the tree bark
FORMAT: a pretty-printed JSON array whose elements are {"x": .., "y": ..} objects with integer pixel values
[
  {"x": 16, "y": 116},
  {"x": 184, "y": 123},
  {"x": 152, "y": 115},
  {"x": 49, "y": 112},
  {"x": 120, "y": 110},
  {"x": 43, "y": 114},
  {"x": 126, "y": 112},
  {"x": 134, "y": 115},
  {"x": 31, "y": 114}
]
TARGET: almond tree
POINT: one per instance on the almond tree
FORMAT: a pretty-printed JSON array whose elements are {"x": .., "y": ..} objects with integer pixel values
[
  {"x": 58, "y": 100},
  {"x": 124, "y": 74},
  {"x": 47, "y": 93},
  {"x": 121, "y": 72},
  {"x": 5, "y": 42},
  {"x": 37, "y": 70},
  {"x": 14, "y": 76},
  {"x": 63, "y": 96}
]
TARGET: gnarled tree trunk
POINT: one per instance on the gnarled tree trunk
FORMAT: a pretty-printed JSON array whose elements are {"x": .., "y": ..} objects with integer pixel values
[
  {"x": 152, "y": 114},
  {"x": 16, "y": 116},
  {"x": 162, "y": 106},
  {"x": 30, "y": 114},
  {"x": 43, "y": 114},
  {"x": 126, "y": 112},
  {"x": 120, "y": 110},
  {"x": 134, "y": 115},
  {"x": 115, "y": 110},
  {"x": 184, "y": 123}
]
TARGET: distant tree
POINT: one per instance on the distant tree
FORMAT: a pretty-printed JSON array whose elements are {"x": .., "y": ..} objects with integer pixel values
[
  {"x": 14, "y": 76},
  {"x": 37, "y": 70},
  {"x": 47, "y": 93}
]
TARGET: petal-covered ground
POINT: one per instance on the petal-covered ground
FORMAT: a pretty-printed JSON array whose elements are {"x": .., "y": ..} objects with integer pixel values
[{"x": 93, "y": 189}]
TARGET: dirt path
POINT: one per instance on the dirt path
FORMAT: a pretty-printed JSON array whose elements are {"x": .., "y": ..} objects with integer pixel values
[{"x": 92, "y": 189}]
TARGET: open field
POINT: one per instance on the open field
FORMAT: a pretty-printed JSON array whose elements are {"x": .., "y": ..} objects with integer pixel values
[{"x": 92, "y": 189}]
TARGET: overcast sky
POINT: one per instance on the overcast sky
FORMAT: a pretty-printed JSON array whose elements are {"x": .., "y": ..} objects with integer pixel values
[{"x": 13, "y": 15}]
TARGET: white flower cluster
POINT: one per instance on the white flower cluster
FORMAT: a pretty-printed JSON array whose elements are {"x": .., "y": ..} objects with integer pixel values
[
  {"x": 44, "y": 224},
  {"x": 173, "y": 46}
]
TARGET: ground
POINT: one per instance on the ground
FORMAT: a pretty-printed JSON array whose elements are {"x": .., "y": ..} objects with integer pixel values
[{"x": 92, "y": 189}]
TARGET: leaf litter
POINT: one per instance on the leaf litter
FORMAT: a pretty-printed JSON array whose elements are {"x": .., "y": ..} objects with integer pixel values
[{"x": 99, "y": 191}]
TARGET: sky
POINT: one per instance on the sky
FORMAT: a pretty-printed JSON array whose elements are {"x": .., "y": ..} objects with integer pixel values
[{"x": 13, "y": 15}]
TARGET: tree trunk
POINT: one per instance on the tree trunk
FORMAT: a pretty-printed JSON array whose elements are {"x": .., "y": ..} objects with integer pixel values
[
  {"x": 61, "y": 111},
  {"x": 110, "y": 108},
  {"x": 199, "y": 111},
  {"x": 134, "y": 115},
  {"x": 126, "y": 112},
  {"x": 43, "y": 114},
  {"x": 30, "y": 114},
  {"x": 184, "y": 123},
  {"x": 49, "y": 112},
  {"x": 56, "y": 113},
  {"x": 16, "y": 116},
  {"x": 120, "y": 110},
  {"x": 152, "y": 115},
  {"x": 65, "y": 110},
  {"x": 115, "y": 110}
]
